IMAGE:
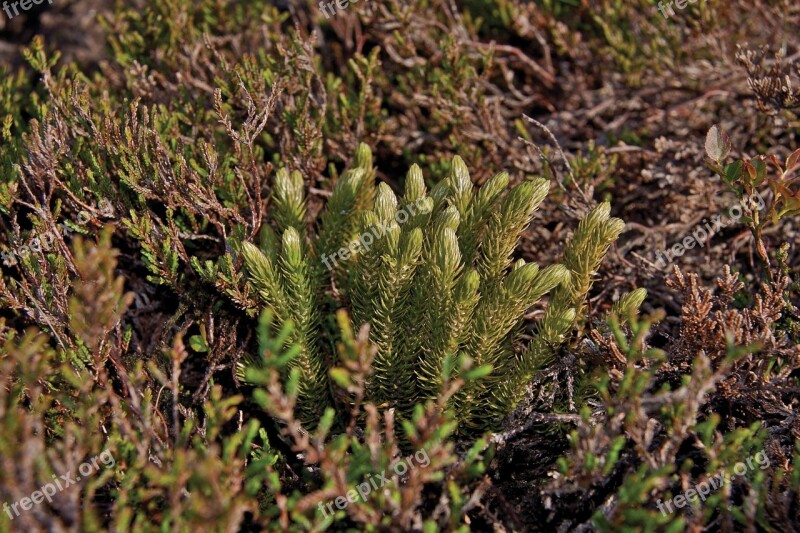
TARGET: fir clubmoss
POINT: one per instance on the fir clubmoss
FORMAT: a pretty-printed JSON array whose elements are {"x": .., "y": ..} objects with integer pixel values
[{"x": 432, "y": 273}]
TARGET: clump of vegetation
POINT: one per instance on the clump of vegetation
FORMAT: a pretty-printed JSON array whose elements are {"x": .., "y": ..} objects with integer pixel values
[
  {"x": 744, "y": 176},
  {"x": 673, "y": 419},
  {"x": 433, "y": 275},
  {"x": 60, "y": 407}
]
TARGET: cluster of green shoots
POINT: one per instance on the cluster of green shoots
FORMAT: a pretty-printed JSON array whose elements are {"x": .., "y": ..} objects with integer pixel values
[{"x": 442, "y": 294}]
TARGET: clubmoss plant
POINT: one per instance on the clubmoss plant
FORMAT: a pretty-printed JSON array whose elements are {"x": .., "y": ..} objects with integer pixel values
[{"x": 435, "y": 280}]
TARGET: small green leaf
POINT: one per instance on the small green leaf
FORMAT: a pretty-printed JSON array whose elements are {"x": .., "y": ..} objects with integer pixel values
[
  {"x": 761, "y": 171},
  {"x": 733, "y": 172}
]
